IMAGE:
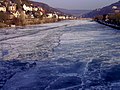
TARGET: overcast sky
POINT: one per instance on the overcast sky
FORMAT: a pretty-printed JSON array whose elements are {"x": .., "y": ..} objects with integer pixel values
[{"x": 78, "y": 4}]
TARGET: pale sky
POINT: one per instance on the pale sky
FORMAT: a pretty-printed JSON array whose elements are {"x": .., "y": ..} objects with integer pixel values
[{"x": 78, "y": 4}]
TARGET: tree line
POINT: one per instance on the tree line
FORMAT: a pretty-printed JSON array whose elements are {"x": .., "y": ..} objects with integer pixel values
[{"x": 109, "y": 18}]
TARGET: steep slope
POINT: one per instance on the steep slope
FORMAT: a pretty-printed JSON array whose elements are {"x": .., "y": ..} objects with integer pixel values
[
  {"x": 43, "y": 5},
  {"x": 46, "y": 7},
  {"x": 104, "y": 10}
]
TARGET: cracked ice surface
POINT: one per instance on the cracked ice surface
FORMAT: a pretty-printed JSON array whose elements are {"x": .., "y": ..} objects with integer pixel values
[
  {"x": 30, "y": 42},
  {"x": 71, "y": 55}
]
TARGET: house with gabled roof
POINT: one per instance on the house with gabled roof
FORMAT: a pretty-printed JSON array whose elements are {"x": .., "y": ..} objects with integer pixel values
[
  {"x": 62, "y": 17},
  {"x": 27, "y": 8},
  {"x": 35, "y": 8},
  {"x": 49, "y": 15},
  {"x": 2, "y": 8},
  {"x": 16, "y": 14},
  {"x": 12, "y": 7}
]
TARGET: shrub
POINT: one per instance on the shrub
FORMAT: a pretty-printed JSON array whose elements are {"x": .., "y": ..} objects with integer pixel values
[{"x": 3, "y": 17}]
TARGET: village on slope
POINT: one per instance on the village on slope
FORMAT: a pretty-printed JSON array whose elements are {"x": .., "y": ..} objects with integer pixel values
[
  {"x": 24, "y": 12},
  {"x": 112, "y": 18},
  {"x": 108, "y": 15}
]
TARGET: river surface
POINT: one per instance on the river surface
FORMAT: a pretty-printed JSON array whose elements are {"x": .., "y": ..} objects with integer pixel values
[{"x": 69, "y": 55}]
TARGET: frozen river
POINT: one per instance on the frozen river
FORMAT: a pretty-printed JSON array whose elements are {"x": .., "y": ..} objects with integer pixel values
[{"x": 69, "y": 55}]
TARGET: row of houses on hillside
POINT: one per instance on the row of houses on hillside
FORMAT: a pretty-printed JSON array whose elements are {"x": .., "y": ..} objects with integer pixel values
[
  {"x": 30, "y": 11},
  {"x": 60, "y": 16},
  {"x": 116, "y": 9},
  {"x": 13, "y": 10}
]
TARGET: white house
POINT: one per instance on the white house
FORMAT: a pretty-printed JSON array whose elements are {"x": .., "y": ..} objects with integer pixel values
[
  {"x": 117, "y": 11},
  {"x": 12, "y": 7},
  {"x": 27, "y": 8},
  {"x": 35, "y": 9},
  {"x": 41, "y": 9},
  {"x": 55, "y": 15},
  {"x": 114, "y": 7},
  {"x": 49, "y": 15},
  {"x": 41, "y": 13},
  {"x": 3, "y": 8},
  {"x": 62, "y": 17},
  {"x": 16, "y": 14},
  {"x": 67, "y": 17}
]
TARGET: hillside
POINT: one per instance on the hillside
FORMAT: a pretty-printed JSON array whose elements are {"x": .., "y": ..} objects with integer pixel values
[
  {"x": 76, "y": 13},
  {"x": 27, "y": 12},
  {"x": 102, "y": 11},
  {"x": 46, "y": 7}
]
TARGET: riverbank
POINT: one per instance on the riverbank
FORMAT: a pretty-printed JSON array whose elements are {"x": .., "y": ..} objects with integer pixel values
[
  {"x": 11, "y": 23},
  {"x": 3, "y": 25},
  {"x": 108, "y": 24}
]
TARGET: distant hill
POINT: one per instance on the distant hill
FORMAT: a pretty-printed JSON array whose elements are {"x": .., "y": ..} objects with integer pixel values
[
  {"x": 102, "y": 11},
  {"x": 76, "y": 13}
]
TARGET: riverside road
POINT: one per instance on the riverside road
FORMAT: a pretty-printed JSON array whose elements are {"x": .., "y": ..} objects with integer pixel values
[{"x": 69, "y": 55}]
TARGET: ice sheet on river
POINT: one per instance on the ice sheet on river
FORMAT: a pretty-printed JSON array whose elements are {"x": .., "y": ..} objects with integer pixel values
[
  {"x": 70, "y": 55},
  {"x": 24, "y": 42}
]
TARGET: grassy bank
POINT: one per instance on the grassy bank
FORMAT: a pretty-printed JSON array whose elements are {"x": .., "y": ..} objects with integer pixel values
[
  {"x": 17, "y": 22},
  {"x": 39, "y": 21},
  {"x": 2, "y": 25}
]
